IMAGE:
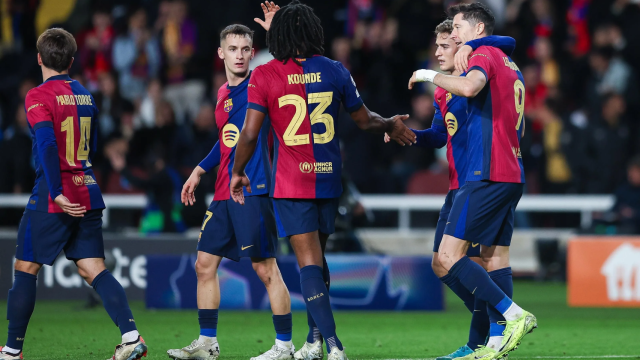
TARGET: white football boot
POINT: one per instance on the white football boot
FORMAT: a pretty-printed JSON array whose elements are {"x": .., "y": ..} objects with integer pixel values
[
  {"x": 276, "y": 353},
  {"x": 198, "y": 350},
  {"x": 134, "y": 350},
  {"x": 337, "y": 354},
  {"x": 310, "y": 351},
  {"x": 5, "y": 355}
]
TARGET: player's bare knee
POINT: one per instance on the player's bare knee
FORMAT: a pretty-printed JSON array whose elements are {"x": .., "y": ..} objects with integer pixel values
[
  {"x": 437, "y": 267},
  {"x": 27, "y": 267},
  {"x": 265, "y": 270},
  {"x": 205, "y": 270}
]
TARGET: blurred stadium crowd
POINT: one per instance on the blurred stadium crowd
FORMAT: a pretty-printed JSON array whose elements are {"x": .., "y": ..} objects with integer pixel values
[{"x": 152, "y": 66}]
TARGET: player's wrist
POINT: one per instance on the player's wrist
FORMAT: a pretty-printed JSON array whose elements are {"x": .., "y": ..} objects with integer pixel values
[
  {"x": 199, "y": 171},
  {"x": 424, "y": 75}
]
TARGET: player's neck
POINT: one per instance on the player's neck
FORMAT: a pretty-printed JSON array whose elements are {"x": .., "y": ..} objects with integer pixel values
[
  {"x": 236, "y": 79},
  {"x": 456, "y": 73},
  {"x": 47, "y": 73}
]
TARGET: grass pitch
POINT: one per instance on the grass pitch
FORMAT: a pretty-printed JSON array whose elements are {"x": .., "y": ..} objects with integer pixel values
[{"x": 64, "y": 330}]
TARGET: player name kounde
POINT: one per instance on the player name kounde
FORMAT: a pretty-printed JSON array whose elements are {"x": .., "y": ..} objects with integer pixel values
[{"x": 317, "y": 167}]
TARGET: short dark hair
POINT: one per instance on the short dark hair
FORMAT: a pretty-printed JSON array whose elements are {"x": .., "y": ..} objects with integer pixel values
[
  {"x": 475, "y": 13},
  {"x": 56, "y": 47},
  {"x": 236, "y": 29},
  {"x": 444, "y": 27},
  {"x": 295, "y": 32}
]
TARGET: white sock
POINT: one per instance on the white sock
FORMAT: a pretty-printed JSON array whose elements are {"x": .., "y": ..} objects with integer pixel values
[
  {"x": 130, "y": 336},
  {"x": 10, "y": 350},
  {"x": 208, "y": 339},
  {"x": 495, "y": 342},
  {"x": 286, "y": 345},
  {"x": 514, "y": 312}
]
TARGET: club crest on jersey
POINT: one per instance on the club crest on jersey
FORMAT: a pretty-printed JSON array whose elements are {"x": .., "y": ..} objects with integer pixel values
[
  {"x": 230, "y": 134},
  {"x": 452, "y": 123},
  {"x": 448, "y": 97},
  {"x": 228, "y": 105}
]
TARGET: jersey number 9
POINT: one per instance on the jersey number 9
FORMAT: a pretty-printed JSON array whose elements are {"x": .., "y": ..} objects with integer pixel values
[
  {"x": 518, "y": 88},
  {"x": 323, "y": 99}
]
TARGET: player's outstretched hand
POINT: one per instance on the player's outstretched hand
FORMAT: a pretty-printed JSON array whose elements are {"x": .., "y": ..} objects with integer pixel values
[
  {"x": 400, "y": 133},
  {"x": 269, "y": 9},
  {"x": 386, "y": 138},
  {"x": 74, "y": 210},
  {"x": 187, "y": 196},
  {"x": 236, "y": 184},
  {"x": 461, "y": 60}
]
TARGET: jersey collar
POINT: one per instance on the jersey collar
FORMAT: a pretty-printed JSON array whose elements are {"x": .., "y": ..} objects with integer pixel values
[
  {"x": 59, "y": 77},
  {"x": 229, "y": 87}
]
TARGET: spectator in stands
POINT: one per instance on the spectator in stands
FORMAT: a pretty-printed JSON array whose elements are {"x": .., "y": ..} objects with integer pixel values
[
  {"x": 609, "y": 145},
  {"x": 179, "y": 36},
  {"x": 164, "y": 210},
  {"x": 94, "y": 48},
  {"x": 136, "y": 56},
  {"x": 111, "y": 105},
  {"x": 146, "y": 116},
  {"x": 17, "y": 175},
  {"x": 627, "y": 206}
]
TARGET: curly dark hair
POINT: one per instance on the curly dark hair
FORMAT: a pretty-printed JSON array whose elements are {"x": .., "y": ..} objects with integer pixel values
[{"x": 295, "y": 32}]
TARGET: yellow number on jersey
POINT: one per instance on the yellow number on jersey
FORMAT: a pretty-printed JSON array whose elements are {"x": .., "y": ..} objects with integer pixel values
[
  {"x": 85, "y": 136},
  {"x": 518, "y": 88},
  {"x": 323, "y": 100},
  {"x": 209, "y": 214},
  {"x": 290, "y": 137}
]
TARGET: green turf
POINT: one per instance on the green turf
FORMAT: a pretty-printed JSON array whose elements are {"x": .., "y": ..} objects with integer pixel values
[{"x": 63, "y": 330}]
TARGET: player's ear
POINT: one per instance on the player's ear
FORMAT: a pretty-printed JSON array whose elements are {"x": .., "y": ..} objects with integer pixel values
[
  {"x": 253, "y": 53},
  {"x": 220, "y": 53},
  {"x": 71, "y": 63},
  {"x": 479, "y": 28},
  {"x": 39, "y": 60}
]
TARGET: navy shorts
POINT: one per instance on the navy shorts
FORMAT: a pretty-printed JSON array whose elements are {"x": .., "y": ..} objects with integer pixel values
[
  {"x": 483, "y": 212},
  {"x": 235, "y": 231},
  {"x": 42, "y": 236},
  {"x": 474, "y": 249},
  {"x": 301, "y": 216}
]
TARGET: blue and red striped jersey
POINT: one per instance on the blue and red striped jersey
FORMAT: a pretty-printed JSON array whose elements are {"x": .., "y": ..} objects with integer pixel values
[
  {"x": 231, "y": 110},
  {"x": 66, "y": 106},
  {"x": 303, "y": 103},
  {"x": 496, "y": 119},
  {"x": 451, "y": 112}
]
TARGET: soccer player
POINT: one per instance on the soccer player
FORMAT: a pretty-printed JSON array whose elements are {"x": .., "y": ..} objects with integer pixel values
[
  {"x": 483, "y": 210},
  {"x": 65, "y": 209},
  {"x": 449, "y": 127},
  {"x": 229, "y": 229},
  {"x": 301, "y": 91}
]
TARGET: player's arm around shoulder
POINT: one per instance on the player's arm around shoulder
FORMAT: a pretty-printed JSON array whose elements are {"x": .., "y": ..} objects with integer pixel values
[{"x": 466, "y": 86}]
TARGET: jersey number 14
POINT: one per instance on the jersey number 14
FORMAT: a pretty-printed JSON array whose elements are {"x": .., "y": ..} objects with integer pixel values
[
  {"x": 323, "y": 99},
  {"x": 85, "y": 135}
]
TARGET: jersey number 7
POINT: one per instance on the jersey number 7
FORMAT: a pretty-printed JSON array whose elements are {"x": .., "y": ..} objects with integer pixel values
[
  {"x": 323, "y": 99},
  {"x": 85, "y": 135}
]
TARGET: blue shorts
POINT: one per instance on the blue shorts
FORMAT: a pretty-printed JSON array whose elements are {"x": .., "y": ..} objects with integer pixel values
[
  {"x": 235, "y": 231},
  {"x": 483, "y": 212},
  {"x": 474, "y": 249},
  {"x": 301, "y": 216},
  {"x": 42, "y": 236}
]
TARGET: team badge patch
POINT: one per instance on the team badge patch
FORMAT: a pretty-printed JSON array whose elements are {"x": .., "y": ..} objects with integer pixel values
[
  {"x": 228, "y": 105},
  {"x": 448, "y": 97}
]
